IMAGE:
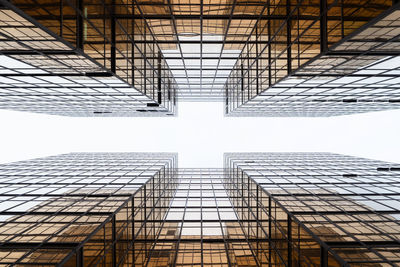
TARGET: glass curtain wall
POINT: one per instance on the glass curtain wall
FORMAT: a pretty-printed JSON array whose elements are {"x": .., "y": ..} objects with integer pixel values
[
  {"x": 82, "y": 209},
  {"x": 298, "y": 54},
  {"x": 89, "y": 43},
  {"x": 317, "y": 209}
]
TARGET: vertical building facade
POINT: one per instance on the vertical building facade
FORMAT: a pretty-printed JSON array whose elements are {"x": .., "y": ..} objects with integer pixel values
[
  {"x": 317, "y": 209},
  {"x": 117, "y": 209},
  {"x": 83, "y": 209},
  {"x": 318, "y": 58},
  {"x": 262, "y": 58},
  {"x": 138, "y": 209},
  {"x": 201, "y": 227},
  {"x": 81, "y": 58}
]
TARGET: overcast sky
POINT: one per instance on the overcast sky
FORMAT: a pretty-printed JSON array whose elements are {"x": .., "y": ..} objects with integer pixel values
[{"x": 200, "y": 134}]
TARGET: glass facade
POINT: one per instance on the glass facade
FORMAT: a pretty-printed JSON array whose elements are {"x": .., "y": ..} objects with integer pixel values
[
  {"x": 82, "y": 209},
  {"x": 262, "y": 58},
  {"x": 201, "y": 227},
  {"x": 343, "y": 61},
  {"x": 317, "y": 209},
  {"x": 117, "y": 210},
  {"x": 139, "y": 209},
  {"x": 78, "y": 58}
]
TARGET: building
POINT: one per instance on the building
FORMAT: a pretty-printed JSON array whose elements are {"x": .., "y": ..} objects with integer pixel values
[
  {"x": 138, "y": 58},
  {"x": 76, "y": 58},
  {"x": 82, "y": 209},
  {"x": 117, "y": 209},
  {"x": 319, "y": 58},
  {"x": 317, "y": 209},
  {"x": 139, "y": 209},
  {"x": 200, "y": 227}
]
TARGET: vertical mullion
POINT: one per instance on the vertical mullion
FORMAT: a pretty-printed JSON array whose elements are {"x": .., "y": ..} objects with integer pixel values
[
  {"x": 242, "y": 81},
  {"x": 269, "y": 47},
  {"x": 169, "y": 89},
  {"x": 323, "y": 26},
  {"x": 289, "y": 242},
  {"x": 342, "y": 17},
  {"x": 289, "y": 37},
  {"x": 324, "y": 257},
  {"x": 61, "y": 17},
  {"x": 133, "y": 230},
  {"x": 114, "y": 244},
  {"x": 201, "y": 45},
  {"x": 79, "y": 257},
  {"x": 113, "y": 37},
  {"x": 248, "y": 71},
  {"x": 153, "y": 205},
  {"x": 201, "y": 222},
  {"x": 133, "y": 23},
  {"x": 79, "y": 24},
  {"x": 269, "y": 232},
  {"x": 144, "y": 226},
  {"x": 159, "y": 82},
  {"x": 257, "y": 63},
  {"x": 145, "y": 59},
  {"x": 258, "y": 226}
]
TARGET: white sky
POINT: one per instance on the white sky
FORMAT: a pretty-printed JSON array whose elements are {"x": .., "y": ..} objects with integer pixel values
[{"x": 200, "y": 134}]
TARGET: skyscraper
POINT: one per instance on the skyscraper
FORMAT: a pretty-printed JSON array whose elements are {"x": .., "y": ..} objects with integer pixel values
[
  {"x": 257, "y": 57},
  {"x": 137, "y": 58},
  {"x": 82, "y": 209},
  {"x": 139, "y": 209},
  {"x": 323, "y": 58},
  {"x": 76, "y": 58},
  {"x": 317, "y": 209}
]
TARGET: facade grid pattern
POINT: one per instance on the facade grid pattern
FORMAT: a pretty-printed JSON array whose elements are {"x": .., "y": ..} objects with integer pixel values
[
  {"x": 318, "y": 209},
  {"x": 137, "y": 58},
  {"x": 138, "y": 209},
  {"x": 77, "y": 58},
  {"x": 81, "y": 209},
  {"x": 344, "y": 61}
]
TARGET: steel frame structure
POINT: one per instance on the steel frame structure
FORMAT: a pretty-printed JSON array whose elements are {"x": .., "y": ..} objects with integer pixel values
[
  {"x": 317, "y": 209},
  {"x": 69, "y": 64},
  {"x": 201, "y": 227},
  {"x": 81, "y": 209},
  {"x": 138, "y": 209},
  {"x": 334, "y": 64},
  {"x": 263, "y": 58}
]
